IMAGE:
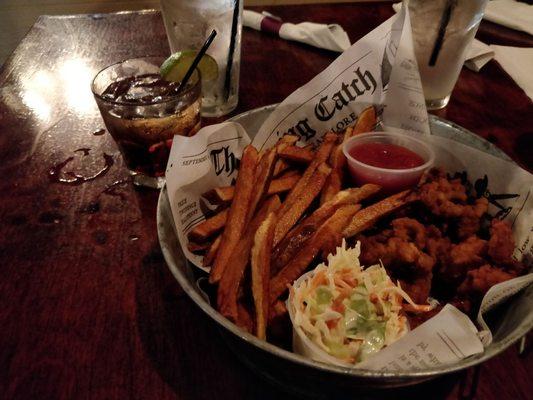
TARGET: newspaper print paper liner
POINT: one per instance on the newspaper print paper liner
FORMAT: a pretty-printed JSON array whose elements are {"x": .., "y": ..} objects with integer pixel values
[{"x": 397, "y": 95}]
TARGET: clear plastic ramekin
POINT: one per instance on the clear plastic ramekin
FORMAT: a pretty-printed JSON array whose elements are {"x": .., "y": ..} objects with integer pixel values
[{"x": 391, "y": 180}]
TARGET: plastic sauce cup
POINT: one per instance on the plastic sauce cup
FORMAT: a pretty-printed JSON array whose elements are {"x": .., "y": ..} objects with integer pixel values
[{"x": 391, "y": 180}]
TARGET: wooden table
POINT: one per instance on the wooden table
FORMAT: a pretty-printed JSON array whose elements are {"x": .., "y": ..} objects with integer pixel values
[{"x": 88, "y": 308}]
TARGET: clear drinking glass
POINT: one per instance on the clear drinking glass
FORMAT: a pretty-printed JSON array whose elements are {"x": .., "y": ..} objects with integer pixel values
[
  {"x": 442, "y": 33},
  {"x": 188, "y": 23},
  {"x": 143, "y": 112}
]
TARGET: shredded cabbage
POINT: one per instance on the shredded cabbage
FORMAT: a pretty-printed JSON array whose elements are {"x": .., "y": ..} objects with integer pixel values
[{"x": 349, "y": 311}]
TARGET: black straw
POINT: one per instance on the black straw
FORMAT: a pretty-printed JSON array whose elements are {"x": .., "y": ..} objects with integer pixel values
[
  {"x": 444, "y": 21},
  {"x": 234, "y": 25},
  {"x": 197, "y": 59}
]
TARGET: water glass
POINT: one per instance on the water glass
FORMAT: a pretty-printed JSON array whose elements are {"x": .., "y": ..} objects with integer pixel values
[
  {"x": 442, "y": 32},
  {"x": 188, "y": 23}
]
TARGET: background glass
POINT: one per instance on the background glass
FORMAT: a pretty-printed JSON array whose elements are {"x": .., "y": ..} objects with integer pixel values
[
  {"x": 442, "y": 33},
  {"x": 188, "y": 23},
  {"x": 144, "y": 132}
]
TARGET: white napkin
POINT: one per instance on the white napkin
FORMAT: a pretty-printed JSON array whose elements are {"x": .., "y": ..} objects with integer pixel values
[
  {"x": 517, "y": 62},
  {"x": 510, "y": 13},
  {"x": 477, "y": 55},
  {"x": 329, "y": 37}
]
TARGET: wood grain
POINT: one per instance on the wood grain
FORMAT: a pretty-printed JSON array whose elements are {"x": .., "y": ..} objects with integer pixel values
[{"x": 88, "y": 309}]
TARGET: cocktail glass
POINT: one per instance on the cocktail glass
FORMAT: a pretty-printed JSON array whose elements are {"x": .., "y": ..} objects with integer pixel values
[{"x": 145, "y": 119}]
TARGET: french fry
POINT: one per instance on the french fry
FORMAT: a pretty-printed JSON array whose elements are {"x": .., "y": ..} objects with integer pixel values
[
  {"x": 303, "y": 193},
  {"x": 220, "y": 195},
  {"x": 238, "y": 213},
  {"x": 209, "y": 227},
  {"x": 287, "y": 140},
  {"x": 280, "y": 167},
  {"x": 296, "y": 154},
  {"x": 228, "y": 288},
  {"x": 368, "y": 216},
  {"x": 244, "y": 318},
  {"x": 263, "y": 175},
  {"x": 277, "y": 310},
  {"x": 290, "y": 245},
  {"x": 290, "y": 215},
  {"x": 333, "y": 184},
  {"x": 365, "y": 123},
  {"x": 290, "y": 272},
  {"x": 260, "y": 261},
  {"x": 209, "y": 257},
  {"x": 326, "y": 147},
  {"x": 290, "y": 172},
  {"x": 198, "y": 247},
  {"x": 284, "y": 183}
]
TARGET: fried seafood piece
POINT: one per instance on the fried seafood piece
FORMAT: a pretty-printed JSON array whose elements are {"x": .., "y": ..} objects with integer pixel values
[
  {"x": 501, "y": 242},
  {"x": 418, "y": 289},
  {"x": 416, "y": 319},
  {"x": 401, "y": 250},
  {"x": 470, "y": 220},
  {"x": 411, "y": 230},
  {"x": 403, "y": 259},
  {"x": 454, "y": 263},
  {"x": 479, "y": 281},
  {"x": 448, "y": 198},
  {"x": 468, "y": 253},
  {"x": 437, "y": 246}
]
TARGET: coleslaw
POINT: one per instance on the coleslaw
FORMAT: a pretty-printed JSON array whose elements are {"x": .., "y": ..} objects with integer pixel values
[{"x": 349, "y": 311}]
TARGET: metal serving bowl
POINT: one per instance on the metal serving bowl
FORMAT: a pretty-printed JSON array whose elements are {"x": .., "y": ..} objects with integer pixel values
[{"x": 314, "y": 379}]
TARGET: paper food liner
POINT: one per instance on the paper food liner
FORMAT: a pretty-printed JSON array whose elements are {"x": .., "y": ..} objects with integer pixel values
[
  {"x": 380, "y": 70},
  {"x": 450, "y": 322},
  {"x": 301, "y": 344}
]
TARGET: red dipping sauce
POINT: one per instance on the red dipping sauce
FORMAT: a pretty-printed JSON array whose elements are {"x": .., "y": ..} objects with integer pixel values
[
  {"x": 392, "y": 160},
  {"x": 386, "y": 155}
]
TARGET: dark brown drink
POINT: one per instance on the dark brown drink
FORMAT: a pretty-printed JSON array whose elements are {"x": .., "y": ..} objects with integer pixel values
[{"x": 143, "y": 112}]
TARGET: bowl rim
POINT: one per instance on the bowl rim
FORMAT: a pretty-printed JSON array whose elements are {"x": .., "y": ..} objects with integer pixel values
[
  {"x": 391, "y": 171},
  {"x": 289, "y": 356}
]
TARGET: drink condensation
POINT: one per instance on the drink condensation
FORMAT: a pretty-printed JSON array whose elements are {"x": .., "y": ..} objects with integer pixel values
[{"x": 188, "y": 23}]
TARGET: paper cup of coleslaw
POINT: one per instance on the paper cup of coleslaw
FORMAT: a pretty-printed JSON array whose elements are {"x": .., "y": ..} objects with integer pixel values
[{"x": 342, "y": 313}]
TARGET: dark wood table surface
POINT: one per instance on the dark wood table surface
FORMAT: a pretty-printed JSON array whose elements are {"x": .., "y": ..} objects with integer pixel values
[{"x": 88, "y": 308}]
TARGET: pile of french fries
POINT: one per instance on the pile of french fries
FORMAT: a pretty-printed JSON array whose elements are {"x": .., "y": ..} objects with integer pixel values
[{"x": 289, "y": 205}]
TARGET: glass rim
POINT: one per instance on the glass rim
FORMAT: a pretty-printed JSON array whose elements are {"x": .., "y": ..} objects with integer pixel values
[{"x": 184, "y": 92}]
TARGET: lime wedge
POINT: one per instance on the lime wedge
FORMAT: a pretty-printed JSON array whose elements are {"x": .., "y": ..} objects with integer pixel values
[{"x": 176, "y": 66}]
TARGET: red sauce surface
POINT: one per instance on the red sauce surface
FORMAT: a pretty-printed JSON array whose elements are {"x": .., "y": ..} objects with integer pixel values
[{"x": 386, "y": 155}]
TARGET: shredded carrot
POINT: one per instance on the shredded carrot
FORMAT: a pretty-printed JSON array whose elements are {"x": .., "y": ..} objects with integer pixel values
[{"x": 319, "y": 279}]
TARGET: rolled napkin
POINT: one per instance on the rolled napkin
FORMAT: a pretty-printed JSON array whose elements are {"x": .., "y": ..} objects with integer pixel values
[
  {"x": 510, "y": 13},
  {"x": 477, "y": 55},
  {"x": 517, "y": 62},
  {"x": 325, "y": 36}
]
